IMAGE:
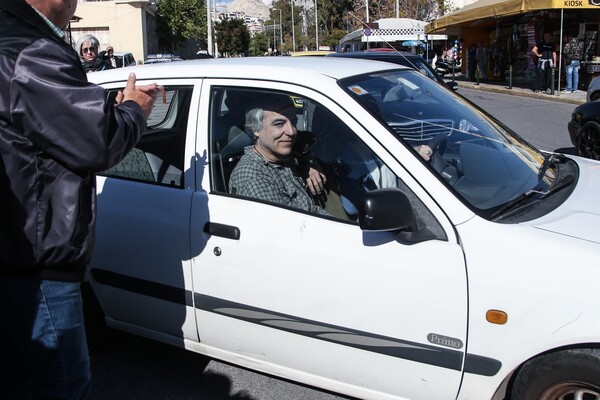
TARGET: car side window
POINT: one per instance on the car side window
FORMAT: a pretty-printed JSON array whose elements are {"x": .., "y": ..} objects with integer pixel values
[
  {"x": 323, "y": 143},
  {"x": 158, "y": 158},
  {"x": 350, "y": 166}
]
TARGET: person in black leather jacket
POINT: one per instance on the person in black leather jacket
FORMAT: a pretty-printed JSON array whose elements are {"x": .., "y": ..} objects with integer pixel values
[{"x": 56, "y": 130}]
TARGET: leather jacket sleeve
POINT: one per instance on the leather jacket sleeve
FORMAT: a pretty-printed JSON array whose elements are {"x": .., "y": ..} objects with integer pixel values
[{"x": 58, "y": 110}]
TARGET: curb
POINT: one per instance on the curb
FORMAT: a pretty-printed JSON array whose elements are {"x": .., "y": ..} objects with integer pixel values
[{"x": 519, "y": 92}]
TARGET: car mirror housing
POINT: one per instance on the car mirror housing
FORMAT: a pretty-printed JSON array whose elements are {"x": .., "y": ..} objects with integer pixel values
[
  {"x": 386, "y": 210},
  {"x": 452, "y": 85}
]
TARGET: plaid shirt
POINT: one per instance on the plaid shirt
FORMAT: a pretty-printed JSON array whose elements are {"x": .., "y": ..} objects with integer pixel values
[{"x": 257, "y": 178}]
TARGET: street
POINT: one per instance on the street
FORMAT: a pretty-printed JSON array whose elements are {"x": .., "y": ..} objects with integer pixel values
[
  {"x": 543, "y": 123},
  {"x": 136, "y": 368}
]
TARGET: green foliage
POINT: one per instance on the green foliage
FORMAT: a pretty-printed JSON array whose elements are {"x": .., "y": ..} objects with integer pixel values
[
  {"x": 258, "y": 44},
  {"x": 232, "y": 37},
  {"x": 332, "y": 39},
  {"x": 179, "y": 20}
]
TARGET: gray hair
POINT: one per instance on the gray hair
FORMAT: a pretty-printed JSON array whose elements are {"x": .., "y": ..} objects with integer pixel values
[
  {"x": 254, "y": 120},
  {"x": 87, "y": 38},
  {"x": 270, "y": 102}
]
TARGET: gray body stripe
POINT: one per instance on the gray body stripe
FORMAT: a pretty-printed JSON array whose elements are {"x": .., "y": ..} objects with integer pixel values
[
  {"x": 423, "y": 353},
  {"x": 393, "y": 347}
]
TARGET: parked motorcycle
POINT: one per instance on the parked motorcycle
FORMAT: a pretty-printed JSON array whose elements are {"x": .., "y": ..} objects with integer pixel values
[{"x": 444, "y": 67}]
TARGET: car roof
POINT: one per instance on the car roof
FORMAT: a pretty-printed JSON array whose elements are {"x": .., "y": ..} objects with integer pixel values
[
  {"x": 376, "y": 54},
  {"x": 291, "y": 69},
  {"x": 311, "y": 53}
]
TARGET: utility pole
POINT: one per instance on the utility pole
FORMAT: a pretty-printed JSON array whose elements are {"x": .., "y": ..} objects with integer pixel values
[
  {"x": 280, "y": 33},
  {"x": 316, "y": 27},
  {"x": 209, "y": 40},
  {"x": 293, "y": 29},
  {"x": 304, "y": 26}
]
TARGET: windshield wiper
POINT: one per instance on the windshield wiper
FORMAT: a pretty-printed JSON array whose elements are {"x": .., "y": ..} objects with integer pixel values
[
  {"x": 517, "y": 204},
  {"x": 550, "y": 159}
]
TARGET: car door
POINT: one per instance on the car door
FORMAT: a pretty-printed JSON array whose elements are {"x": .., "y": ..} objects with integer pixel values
[
  {"x": 314, "y": 298},
  {"x": 140, "y": 270}
]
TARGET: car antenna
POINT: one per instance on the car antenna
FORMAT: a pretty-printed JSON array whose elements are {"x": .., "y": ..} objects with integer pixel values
[{"x": 366, "y": 26}]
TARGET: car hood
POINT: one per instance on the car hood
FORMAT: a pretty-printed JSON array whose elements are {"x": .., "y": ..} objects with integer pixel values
[{"x": 579, "y": 215}]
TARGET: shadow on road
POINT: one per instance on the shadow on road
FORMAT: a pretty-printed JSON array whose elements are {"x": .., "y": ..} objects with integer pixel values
[
  {"x": 136, "y": 368},
  {"x": 567, "y": 150}
]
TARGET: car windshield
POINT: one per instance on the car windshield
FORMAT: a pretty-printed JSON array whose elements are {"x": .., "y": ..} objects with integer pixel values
[{"x": 483, "y": 161}]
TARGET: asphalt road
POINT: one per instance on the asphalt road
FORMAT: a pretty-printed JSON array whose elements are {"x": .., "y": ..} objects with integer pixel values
[
  {"x": 542, "y": 123},
  {"x": 133, "y": 368}
]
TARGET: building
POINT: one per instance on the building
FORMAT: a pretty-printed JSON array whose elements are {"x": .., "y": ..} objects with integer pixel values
[
  {"x": 511, "y": 28},
  {"x": 388, "y": 32},
  {"x": 126, "y": 25}
]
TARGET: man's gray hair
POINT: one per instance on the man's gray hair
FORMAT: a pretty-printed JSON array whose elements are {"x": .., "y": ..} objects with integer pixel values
[
  {"x": 270, "y": 102},
  {"x": 87, "y": 38},
  {"x": 254, "y": 120}
]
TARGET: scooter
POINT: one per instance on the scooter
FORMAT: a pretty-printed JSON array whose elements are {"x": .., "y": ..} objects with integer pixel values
[{"x": 444, "y": 67}]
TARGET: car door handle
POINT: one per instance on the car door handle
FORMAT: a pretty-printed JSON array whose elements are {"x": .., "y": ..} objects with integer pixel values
[{"x": 222, "y": 230}]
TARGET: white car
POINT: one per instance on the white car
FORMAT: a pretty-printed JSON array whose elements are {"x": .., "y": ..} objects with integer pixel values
[
  {"x": 125, "y": 59},
  {"x": 593, "y": 90},
  {"x": 472, "y": 276}
]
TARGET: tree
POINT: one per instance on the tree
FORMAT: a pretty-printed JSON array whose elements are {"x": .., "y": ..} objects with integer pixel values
[
  {"x": 180, "y": 20},
  {"x": 233, "y": 37},
  {"x": 333, "y": 39},
  {"x": 422, "y": 10},
  {"x": 258, "y": 44}
]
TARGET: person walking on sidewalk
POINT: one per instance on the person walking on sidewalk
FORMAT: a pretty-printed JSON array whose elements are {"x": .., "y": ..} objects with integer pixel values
[
  {"x": 546, "y": 53},
  {"x": 482, "y": 61},
  {"x": 56, "y": 131},
  {"x": 472, "y": 63},
  {"x": 572, "y": 55}
]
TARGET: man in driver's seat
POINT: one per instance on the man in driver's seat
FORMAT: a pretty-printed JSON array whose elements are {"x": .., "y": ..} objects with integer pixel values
[{"x": 268, "y": 169}]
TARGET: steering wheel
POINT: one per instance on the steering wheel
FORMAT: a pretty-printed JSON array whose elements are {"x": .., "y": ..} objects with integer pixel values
[
  {"x": 438, "y": 144},
  {"x": 438, "y": 147}
]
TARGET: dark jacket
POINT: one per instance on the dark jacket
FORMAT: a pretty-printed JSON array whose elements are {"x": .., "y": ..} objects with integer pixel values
[
  {"x": 56, "y": 130},
  {"x": 99, "y": 64}
]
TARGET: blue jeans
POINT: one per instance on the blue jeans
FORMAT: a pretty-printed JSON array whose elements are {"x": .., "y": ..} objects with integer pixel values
[
  {"x": 43, "y": 348},
  {"x": 572, "y": 72}
]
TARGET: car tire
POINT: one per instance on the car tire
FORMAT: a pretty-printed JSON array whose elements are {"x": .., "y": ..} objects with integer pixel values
[
  {"x": 595, "y": 96},
  {"x": 588, "y": 140},
  {"x": 562, "y": 375}
]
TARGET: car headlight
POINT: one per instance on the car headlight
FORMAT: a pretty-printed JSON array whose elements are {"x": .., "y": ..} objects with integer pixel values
[{"x": 577, "y": 117}]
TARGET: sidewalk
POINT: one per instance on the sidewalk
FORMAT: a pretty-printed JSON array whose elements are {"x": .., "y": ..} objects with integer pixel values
[{"x": 502, "y": 87}]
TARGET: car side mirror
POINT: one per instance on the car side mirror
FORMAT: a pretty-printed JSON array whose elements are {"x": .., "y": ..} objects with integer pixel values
[
  {"x": 386, "y": 210},
  {"x": 452, "y": 85}
]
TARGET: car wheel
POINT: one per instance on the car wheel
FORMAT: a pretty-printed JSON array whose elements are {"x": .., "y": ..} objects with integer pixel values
[
  {"x": 571, "y": 374},
  {"x": 595, "y": 96},
  {"x": 588, "y": 140}
]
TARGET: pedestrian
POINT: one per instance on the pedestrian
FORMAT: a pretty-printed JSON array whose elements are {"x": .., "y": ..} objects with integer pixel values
[
  {"x": 56, "y": 130},
  {"x": 87, "y": 47},
  {"x": 572, "y": 55},
  {"x": 110, "y": 58},
  {"x": 482, "y": 61},
  {"x": 546, "y": 53},
  {"x": 472, "y": 62}
]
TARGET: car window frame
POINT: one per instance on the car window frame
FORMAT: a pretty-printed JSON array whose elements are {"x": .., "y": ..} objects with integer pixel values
[{"x": 376, "y": 136}]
